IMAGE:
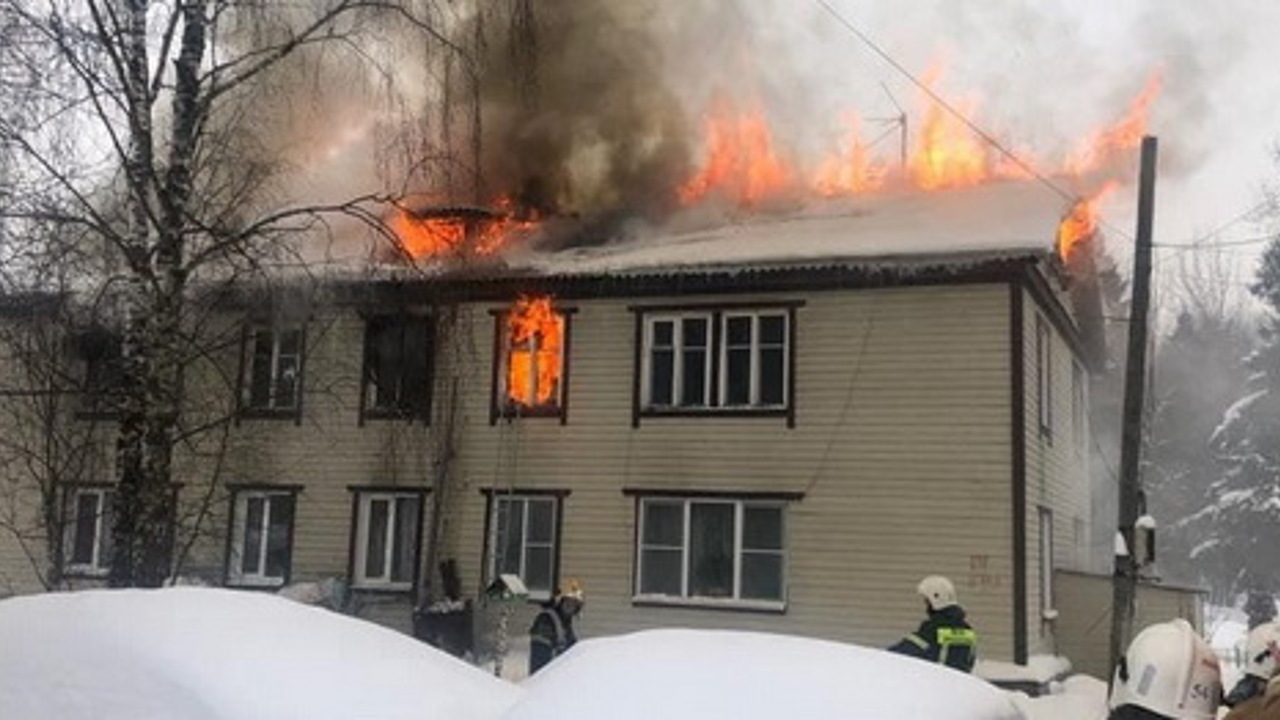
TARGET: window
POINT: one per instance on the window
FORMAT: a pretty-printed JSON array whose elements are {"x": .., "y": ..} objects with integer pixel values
[
  {"x": 88, "y": 525},
  {"x": 387, "y": 539},
  {"x": 1079, "y": 419},
  {"x": 523, "y": 539},
  {"x": 261, "y": 537},
  {"x": 398, "y": 366},
  {"x": 101, "y": 351},
  {"x": 753, "y": 360},
  {"x": 1044, "y": 377},
  {"x": 717, "y": 550},
  {"x": 716, "y": 361},
  {"x": 530, "y": 372},
  {"x": 1046, "y": 559},
  {"x": 678, "y": 361},
  {"x": 275, "y": 369}
]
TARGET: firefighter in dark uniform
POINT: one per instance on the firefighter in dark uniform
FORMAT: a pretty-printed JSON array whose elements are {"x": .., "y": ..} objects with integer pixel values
[
  {"x": 552, "y": 631},
  {"x": 944, "y": 637}
]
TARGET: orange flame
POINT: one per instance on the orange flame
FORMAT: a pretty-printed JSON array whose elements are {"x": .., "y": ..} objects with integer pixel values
[
  {"x": 947, "y": 154},
  {"x": 852, "y": 171},
  {"x": 1126, "y": 134},
  {"x": 536, "y": 339},
  {"x": 1081, "y": 222},
  {"x": 741, "y": 162},
  {"x": 459, "y": 235}
]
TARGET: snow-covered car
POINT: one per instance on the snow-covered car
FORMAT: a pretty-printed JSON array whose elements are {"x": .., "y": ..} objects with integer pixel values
[
  {"x": 205, "y": 654},
  {"x": 729, "y": 675}
]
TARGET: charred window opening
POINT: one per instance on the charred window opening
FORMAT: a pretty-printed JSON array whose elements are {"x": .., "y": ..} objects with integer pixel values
[
  {"x": 398, "y": 367},
  {"x": 532, "y": 359},
  {"x": 101, "y": 352}
]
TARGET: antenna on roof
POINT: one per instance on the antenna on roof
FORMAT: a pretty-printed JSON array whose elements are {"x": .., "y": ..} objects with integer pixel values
[{"x": 899, "y": 120}]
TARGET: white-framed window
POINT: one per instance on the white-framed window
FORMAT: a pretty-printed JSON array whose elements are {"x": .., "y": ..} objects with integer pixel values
[
  {"x": 1079, "y": 411},
  {"x": 1044, "y": 376},
  {"x": 523, "y": 540},
  {"x": 261, "y": 537},
  {"x": 677, "y": 361},
  {"x": 1046, "y": 558},
  {"x": 753, "y": 359},
  {"x": 712, "y": 550},
  {"x": 275, "y": 368},
  {"x": 88, "y": 526},
  {"x": 387, "y": 539}
]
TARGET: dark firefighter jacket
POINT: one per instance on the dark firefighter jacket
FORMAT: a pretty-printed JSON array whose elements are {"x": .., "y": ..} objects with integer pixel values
[
  {"x": 549, "y": 636},
  {"x": 944, "y": 638}
]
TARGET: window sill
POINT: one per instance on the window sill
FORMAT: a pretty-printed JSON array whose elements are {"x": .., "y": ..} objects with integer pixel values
[
  {"x": 384, "y": 588},
  {"x": 81, "y": 572},
  {"x": 773, "y": 607},
  {"x": 510, "y": 413},
  {"x": 395, "y": 414},
  {"x": 255, "y": 584},
  {"x": 268, "y": 413},
  {"x": 733, "y": 412}
]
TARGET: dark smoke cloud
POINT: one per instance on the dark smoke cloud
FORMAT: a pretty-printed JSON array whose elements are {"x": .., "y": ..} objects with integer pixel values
[{"x": 578, "y": 112}]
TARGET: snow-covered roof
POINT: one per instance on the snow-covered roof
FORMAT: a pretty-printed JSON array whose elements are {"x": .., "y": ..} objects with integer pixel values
[{"x": 954, "y": 227}]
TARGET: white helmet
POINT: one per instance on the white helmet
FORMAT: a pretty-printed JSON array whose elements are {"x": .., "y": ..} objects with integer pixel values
[
  {"x": 1260, "y": 650},
  {"x": 937, "y": 591},
  {"x": 1171, "y": 671}
]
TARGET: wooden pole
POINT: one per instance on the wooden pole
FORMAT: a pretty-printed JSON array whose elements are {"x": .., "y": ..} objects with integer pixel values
[{"x": 1126, "y": 567}]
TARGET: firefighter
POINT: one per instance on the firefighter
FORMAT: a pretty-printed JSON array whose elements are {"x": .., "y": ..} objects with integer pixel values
[
  {"x": 944, "y": 637},
  {"x": 1260, "y": 666},
  {"x": 1169, "y": 672},
  {"x": 552, "y": 631}
]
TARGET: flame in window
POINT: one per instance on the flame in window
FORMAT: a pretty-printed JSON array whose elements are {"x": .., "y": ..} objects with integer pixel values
[{"x": 535, "y": 342}]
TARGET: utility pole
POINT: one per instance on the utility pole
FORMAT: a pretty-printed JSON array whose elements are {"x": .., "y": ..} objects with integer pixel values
[{"x": 1126, "y": 567}]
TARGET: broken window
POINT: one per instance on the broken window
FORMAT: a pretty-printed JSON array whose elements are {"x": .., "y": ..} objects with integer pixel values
[
  {"x": 532, "y": 359},
  {"x": 726, "y": 550},
  {"x": 398, "y": 366},
  {"x": 261, "y": 537},
  {"x": 275, "y": 369}
]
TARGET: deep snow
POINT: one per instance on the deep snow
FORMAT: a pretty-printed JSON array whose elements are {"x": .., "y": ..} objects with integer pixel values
[{"x": 211, "y": 654}]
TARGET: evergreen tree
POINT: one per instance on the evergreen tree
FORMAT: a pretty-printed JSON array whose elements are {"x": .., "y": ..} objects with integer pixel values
[{"x": 1239, "y": 529}]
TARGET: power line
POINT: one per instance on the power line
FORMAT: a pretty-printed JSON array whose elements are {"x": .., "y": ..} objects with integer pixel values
[{"x": 986, "y": 137}]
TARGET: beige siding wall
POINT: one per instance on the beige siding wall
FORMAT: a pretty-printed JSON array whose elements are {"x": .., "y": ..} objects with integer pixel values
[
  {"x": 1084, "y": 631},
  {"x": 1056, "y": 466},
  {"x": 901, "y": 448}
]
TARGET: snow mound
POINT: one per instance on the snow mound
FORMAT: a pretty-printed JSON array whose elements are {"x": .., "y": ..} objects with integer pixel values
[
  {"x": 1079, "y": 697},
  {"x": 208, "y": 654},
  {"x": 714, "y": 675}
]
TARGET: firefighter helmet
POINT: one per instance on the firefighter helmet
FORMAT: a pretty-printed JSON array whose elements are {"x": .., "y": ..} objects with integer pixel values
[
  {"x": 1261, "y": 648},
  {"x": 937, "y": 591},
  {"x": 1171, "y": 671}
]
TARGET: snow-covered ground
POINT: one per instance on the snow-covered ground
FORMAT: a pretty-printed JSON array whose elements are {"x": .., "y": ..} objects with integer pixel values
[
  {"x": 209, "y": 654},
  {"x": 205, "y": 654}
]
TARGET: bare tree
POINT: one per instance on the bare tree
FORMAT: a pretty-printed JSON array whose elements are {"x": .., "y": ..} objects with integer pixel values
[{"x": 139, "y": 147}]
